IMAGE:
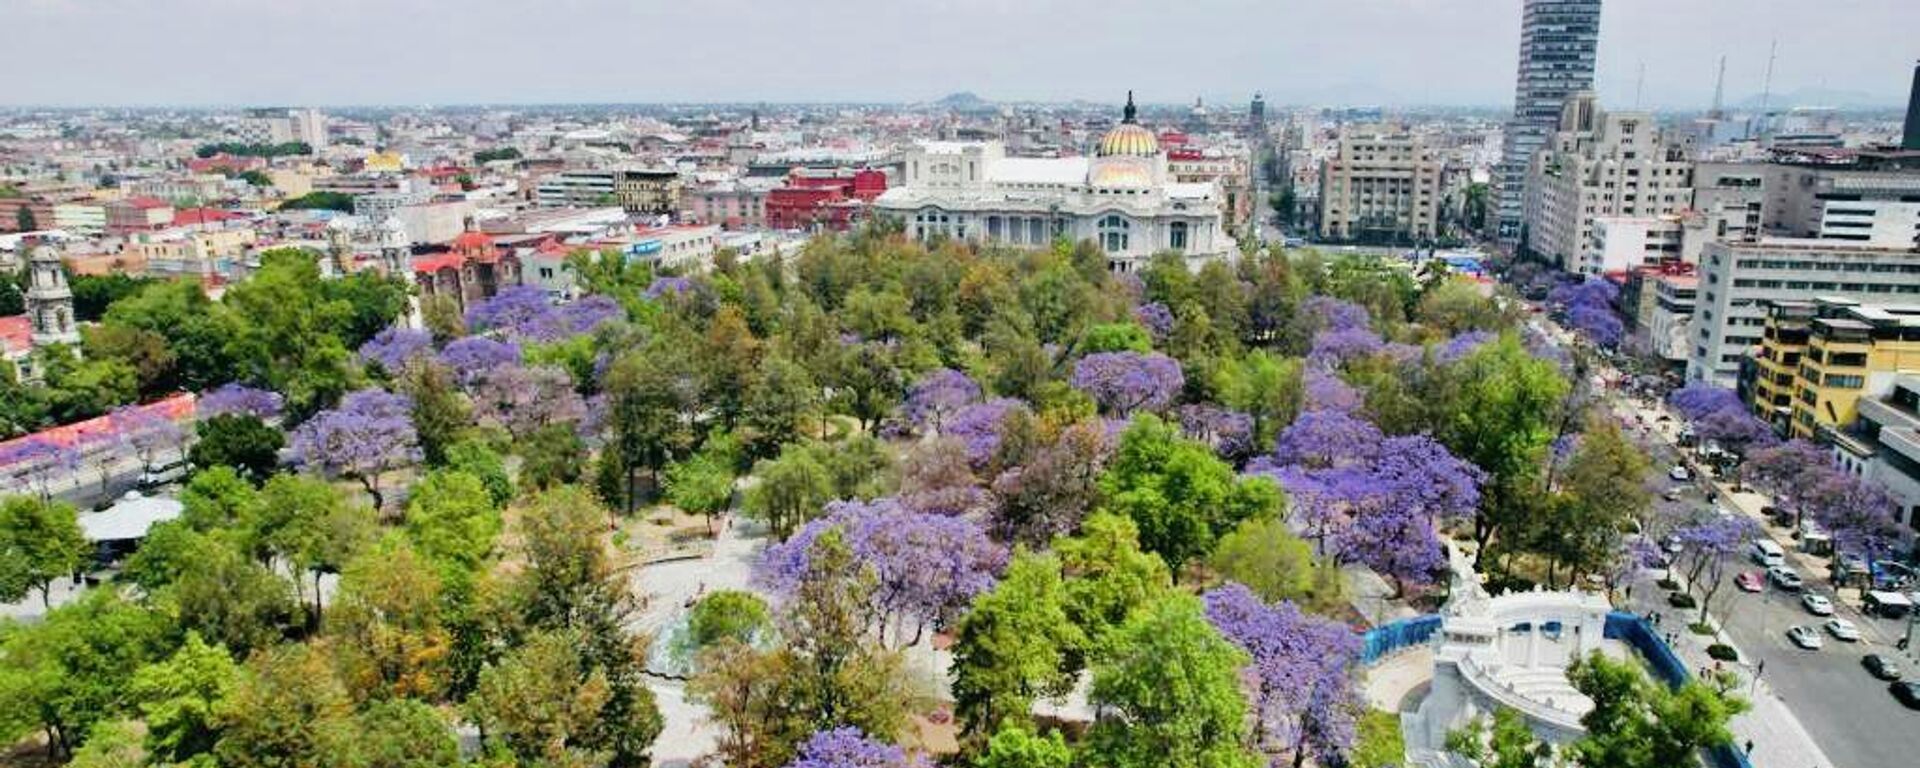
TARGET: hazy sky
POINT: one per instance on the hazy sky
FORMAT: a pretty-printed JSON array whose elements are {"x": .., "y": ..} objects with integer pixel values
[{"x": 69, "y": 52}]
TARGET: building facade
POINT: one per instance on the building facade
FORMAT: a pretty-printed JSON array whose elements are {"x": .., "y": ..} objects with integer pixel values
[
  {"x": 1739, "y": 279},
  {"x": 1558, "y": 40},
  {"x": 1381, "y": 186},
  {"x": 1600, "y": 164},
  {"x": 1883, "y": 445},
  {"x": 1818, "y": 359},
  {"x": 1122, "y": 199}
]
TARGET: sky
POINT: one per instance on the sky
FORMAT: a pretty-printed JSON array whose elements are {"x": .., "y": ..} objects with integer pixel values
[{"x": 1319, "y": 52}]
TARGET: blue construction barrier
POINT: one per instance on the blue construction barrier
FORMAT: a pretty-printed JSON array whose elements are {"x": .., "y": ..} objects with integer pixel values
[{"x": 1386, "y": 639}]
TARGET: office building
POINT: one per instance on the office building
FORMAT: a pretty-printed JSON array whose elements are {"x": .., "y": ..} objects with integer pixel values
[
  {"x": 639, "y": 190},
  {"x": 1911, "y": 138},
  {"x": 1740, "y": 278},
  {"x": 1558, "y": 39},
  {"x": 311, "y": 127},
  {"x": 1817, "y": 359},
  {"x": 1883, "y": 445},
  {"x": 1601, "y": 164},
  {"x": 1381, "y": 186}
]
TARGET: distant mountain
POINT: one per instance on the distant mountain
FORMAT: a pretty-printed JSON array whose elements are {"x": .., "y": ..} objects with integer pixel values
[
  {"x": 964, "y": 101},
  {"x": 1820, "y": 97}
]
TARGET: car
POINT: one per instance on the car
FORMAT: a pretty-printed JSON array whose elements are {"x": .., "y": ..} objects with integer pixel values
[
  {"x": 1785, "y": 578},
  {"x": 1908, "y": 693},
  {"x": 1679, "y": 474},
  {"x": 1843, "y": 630},
  {"x": 1881, "y": 666},
  {"x": 1672, "y": 494},
  {"x": 1817, "y": 604},
  {"x": 1749, "y": 581},
  {"x": 1805, "y": 637}
]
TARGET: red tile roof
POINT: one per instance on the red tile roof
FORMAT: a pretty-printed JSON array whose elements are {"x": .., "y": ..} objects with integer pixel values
[{"x": 16, "y": 333}]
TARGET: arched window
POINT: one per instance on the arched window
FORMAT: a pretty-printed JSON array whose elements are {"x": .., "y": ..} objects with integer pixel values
[{"x": 1113, "y": 231}]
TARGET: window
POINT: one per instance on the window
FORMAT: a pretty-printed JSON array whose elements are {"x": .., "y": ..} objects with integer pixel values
[
  {"x": 1113, "y": 231},
  {"x": 1177, "y": 235}
]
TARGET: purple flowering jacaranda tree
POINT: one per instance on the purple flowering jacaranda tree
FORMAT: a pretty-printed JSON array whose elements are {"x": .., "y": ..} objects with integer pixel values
[
  {"x": 1123, "y": 382},
  {"x": 936, "y": 396},
  {"x": 261, "y": 404},
  {"x": 1304, "y": 694},
  {"x": 369, "y": 435}
]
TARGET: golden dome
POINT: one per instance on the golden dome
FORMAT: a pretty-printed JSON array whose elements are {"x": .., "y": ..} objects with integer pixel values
[{"x": 1128, "y": 139}]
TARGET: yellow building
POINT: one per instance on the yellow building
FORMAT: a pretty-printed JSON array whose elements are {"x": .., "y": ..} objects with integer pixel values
[
  {"x": 1776, "y": 364},
  {"x": 385, "y": 162},
  {"x": 1851, "y": 351}
]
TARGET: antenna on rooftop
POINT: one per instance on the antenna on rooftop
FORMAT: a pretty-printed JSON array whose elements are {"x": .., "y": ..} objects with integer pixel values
[
  {"x": 1640, "y": 84},
  {"x": 1719, "y": 90}
]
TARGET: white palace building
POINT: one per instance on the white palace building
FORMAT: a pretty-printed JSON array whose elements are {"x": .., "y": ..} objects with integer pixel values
[{"x": 1122, "y": 198}]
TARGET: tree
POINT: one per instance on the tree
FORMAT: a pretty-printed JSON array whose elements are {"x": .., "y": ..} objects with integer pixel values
[
  {"x": 23, "y": 220},
  {"x": 779, "y": 399},
  {"x": 727, "y": 614},
  {"x": 650, "y": 394},
  {"x": 440, "y": 414},
  {"x": 402, "y": 733},
  {"x": 306, "y": 522},
  {"x": 936, "y": 396},
  {"x": 288, "y": 710},
  {"x": 1264, "y": 386},
  {"x": 1172, "y": 685},
  {"x": 69, "y": 672},
  {"x": 226, "y": 597},
  {"x": 1122, "y": 382},
  {"x": 523, "y": 400},
  {"x": 240, "y": 399},
  {"x": 1012, "y": 647},
  {"x": 849, "y": 748},
  {"x": 240, "y": 441},
  {"x": 370, "y": 434},
  {"x": 700, "y": 486},
  {"x": 1045, "y": 490},
  {"x": 1016, "y": 747},
  {"x": 154, "y": 364},
  {"x": 1107, "y": 576},
  {"x": 1304, "y": 696},
  {"x": 475, "y": 458},
  {"x": 1180, "y": 494},
  {"x": 1638, "y": 723},
  {"x": 1269, "y": 559},
  {"x": 394, "y": 347},
  {"x": 111, "y": 744},
  {"x": 1509, "y": 744},
  {"x": 791, "y": 490},
  {"x": 179, "y": 699},
  {"x": 452, "y": 520},
  {"x": 288, "y": 335},
  {"x": 389, "y": 641},
  {"x": 550, "y": 456},
  {"x": 39, "y": 541},
  {"x": 925, "y": 567},
  {"x": 1498, "y": 409},
  {"x": 539, "y": 704},
  {"x": 1602, "y": 495}
]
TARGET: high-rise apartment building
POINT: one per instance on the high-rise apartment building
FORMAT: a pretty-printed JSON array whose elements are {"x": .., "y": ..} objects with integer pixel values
[
  {"x": 1818, "y": 359},
  {"x": 1911, "y": 138},
  {"x": 1602, "y": 165},
  {"x": 1383, "y": 186},
  {"x": 1558, "y": 39}
]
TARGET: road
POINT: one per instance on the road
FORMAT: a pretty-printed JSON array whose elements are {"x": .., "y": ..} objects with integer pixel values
[{"x": 1848, "y": 712}]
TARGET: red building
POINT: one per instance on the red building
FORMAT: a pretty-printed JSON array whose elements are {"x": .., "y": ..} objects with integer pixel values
[
  {"x": 471, "y": 272},
  {"x": 225, "y": 163},
  {"x": 823, "y": 199}
]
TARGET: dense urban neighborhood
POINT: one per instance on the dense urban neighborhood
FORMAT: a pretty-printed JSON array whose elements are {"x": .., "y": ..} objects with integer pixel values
[{"x": 1134, "y": 432}]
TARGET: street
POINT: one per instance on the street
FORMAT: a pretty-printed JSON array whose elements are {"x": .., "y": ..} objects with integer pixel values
[{"x": 1848, "y": 712}]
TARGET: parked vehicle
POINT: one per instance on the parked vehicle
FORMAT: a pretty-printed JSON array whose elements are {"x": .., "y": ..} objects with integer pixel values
[
  {"x": 1843, "y": 630},
  {"x": 1749, "y": 581},
  {"x": 1785, "y": 578},
  {"x": 1908, "y": 693},
  {"x": 1881, "y": 666},
  {"x": 1817, "y": 604},
  {"x": 1679, "y": 474},
  {"x": 1767, "y": 553},
  {"x": 1889, "y": 575},
  {"x": 1892, "y": 605},
  {"x": 1848, "y": 567},
  {"x": 1805, "y": 637},
  {"x": 162, "y": 474}
]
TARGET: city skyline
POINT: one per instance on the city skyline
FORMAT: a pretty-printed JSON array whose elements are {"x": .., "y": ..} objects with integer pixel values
[{"x": 410, "y": 52}]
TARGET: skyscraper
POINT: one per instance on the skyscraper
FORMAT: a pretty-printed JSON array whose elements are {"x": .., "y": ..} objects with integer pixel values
[
  {"x": 1557, "y": 43},
  {"x": 1912, "y": 138}
]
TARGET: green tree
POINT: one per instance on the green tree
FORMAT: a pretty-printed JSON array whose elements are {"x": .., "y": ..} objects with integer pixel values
[
  {"x": 779, "y": 400},
  {"x": 1378, "y": 742},
  {"x": 291, "y": 335},
  {"x": 1013, "y": 647},
  {"x": 700, "y": 486},
  {"x": 1173, "y": 684},
  {"x": 790, "y": 490},
  {"x": 39, "y": 541},
  {"x": 1601, "y": 495},
  {"x": 146, "y": 353},
  {"x": 230, "y": 599},
  {"x": 69, "y": 672},
  {"x": 389, "y": 640},
  {"x": 1179, "y": 493},
  {"x": 1498, "y": 408},
  {"x": 178, "y": 699},
  {"x": 1638, "y": 723},
  {"x": 1262, "y": 385},
  {"x": 441, "y": 415},
  {"x": 475, "y": 458},
  {"x": 239, "y": 441},
  {"x": 402, "y": 733},
  {"x": 453, "y": 521},
  {"x": 552, "y": 455},
  {"x": 309, "y": 523},
  {"x": 727, "y": 614},
  {"x": 1266, "y": 556},
  {"x": 111, "y": 744},
  {"x": 288, "y": 710},
  {"x": 1108, "y": 576},
  {"x": 1016, "y": 747},
  {"x": 1116, "y": 337},
  {"x": 539, "y": 705},
  {"x": 1510, "y": 743}
]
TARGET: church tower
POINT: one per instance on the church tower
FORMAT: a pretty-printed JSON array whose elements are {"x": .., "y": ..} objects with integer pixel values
[
  {"x": 49, "y": 300},
  {"x": 396, "y": 249}
]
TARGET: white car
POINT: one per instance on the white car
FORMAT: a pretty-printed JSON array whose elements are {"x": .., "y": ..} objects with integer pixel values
[
  {"x": 1805, "y": 637},
  {"x": 1843, "y": 630},
  {"x": 1817, "y": 605},
  {"x": 1679, "y": 473}
]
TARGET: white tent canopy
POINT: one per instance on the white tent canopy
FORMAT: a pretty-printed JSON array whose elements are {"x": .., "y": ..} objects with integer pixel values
[{"x": 129, "y": 519}]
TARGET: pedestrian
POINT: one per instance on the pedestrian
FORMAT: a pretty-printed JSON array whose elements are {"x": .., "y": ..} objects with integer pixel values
[{"x": 1749, "y": 747}]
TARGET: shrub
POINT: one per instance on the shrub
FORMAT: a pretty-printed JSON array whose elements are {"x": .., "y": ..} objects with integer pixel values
[
  {"x": 1700, "y": 628},
  {"x": 1722, "y": 652},
  {"x": 1669, "y": 585},
  {"x": 1681, "y": 600}
]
